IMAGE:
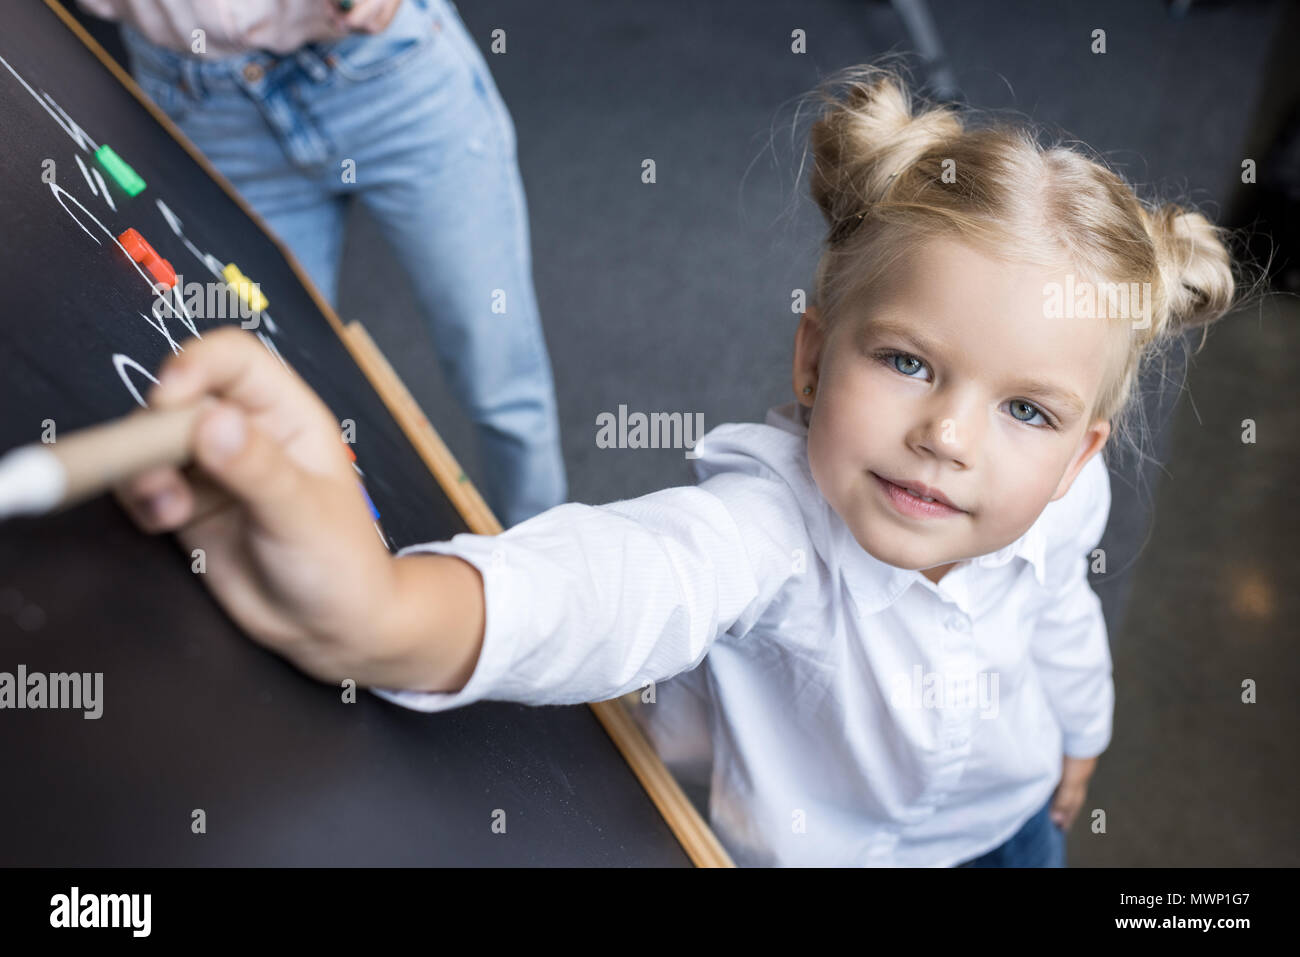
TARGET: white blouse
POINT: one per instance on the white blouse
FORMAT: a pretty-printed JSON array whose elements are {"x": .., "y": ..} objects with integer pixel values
[
  {"x": 230, "y": 27},
  {"x": 857, "y": 713}
]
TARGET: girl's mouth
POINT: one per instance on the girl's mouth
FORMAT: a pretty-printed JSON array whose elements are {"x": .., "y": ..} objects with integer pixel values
[{"x": 914, "y": 506}]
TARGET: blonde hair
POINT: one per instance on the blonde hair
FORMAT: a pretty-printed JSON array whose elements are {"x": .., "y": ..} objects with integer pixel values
[{"x": 878, "y": 175}]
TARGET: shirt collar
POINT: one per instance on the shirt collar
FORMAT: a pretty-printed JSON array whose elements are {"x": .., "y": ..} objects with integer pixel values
[{"x": 875, "y": 585}]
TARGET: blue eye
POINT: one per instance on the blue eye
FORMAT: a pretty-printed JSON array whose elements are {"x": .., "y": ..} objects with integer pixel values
[
  {"x": 906, "y": 364},
  {"x": 891, "y": 358},
  {"x": 1032, "y": 408}
]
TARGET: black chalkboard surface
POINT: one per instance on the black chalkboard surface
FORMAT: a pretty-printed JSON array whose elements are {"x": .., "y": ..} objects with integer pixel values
[{"x": 196, "y": 717}]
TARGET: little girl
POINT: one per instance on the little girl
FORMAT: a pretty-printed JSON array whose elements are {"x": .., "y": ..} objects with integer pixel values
[{"x": 883, "y": 588}]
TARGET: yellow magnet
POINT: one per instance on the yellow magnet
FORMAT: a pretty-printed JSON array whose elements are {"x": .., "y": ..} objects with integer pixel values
[{"x": 246, "y": 288}]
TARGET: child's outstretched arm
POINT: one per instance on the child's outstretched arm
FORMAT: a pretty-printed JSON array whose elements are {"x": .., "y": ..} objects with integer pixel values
[
  {"x": 290, "y": 549},
  {"x": 580, "y": 603},
  {"x": 585, "y": 603}
]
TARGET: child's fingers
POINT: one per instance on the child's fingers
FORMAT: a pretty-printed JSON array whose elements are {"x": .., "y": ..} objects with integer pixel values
[
  {"x": 150, "y": 496},
  {"x": 166, "y": 499},
  {"x": 208, "y": 496},
  {"x": 1065, "y": 806},
  {"x": 232, "y": 364},
  {"x": 225, "y": 362},
  {"x": 148, "y": 484},
  {"x": 244, "y": 461}
]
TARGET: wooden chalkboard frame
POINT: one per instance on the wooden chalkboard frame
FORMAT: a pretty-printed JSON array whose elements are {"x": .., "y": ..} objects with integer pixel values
[{"x": 694, "y": 834}]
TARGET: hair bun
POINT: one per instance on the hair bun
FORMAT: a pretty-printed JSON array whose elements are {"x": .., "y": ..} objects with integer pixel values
[
  {"x": 867, "y": 138},
  {"x": 1193, "y": 264}
]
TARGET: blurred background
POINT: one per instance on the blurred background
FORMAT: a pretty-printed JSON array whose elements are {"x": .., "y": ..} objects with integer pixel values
[{"x": 676, "y": 297}]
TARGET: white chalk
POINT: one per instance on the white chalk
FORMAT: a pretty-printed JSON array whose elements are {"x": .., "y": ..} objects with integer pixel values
[
  {"x": 32, "y": 481},
  {"x": 40, "y": 478}
]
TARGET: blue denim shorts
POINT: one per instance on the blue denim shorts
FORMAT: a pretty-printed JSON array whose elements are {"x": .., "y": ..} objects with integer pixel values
[{"x": 1039, "y": 843}]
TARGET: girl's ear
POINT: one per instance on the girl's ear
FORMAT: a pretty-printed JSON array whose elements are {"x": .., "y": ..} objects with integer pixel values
[
  {"x": 808, "y": 341},
  {"x": 1089, "y": 446}
]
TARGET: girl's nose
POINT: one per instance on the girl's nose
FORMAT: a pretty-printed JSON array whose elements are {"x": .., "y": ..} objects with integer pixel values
[{"x": 949, "y": 434}]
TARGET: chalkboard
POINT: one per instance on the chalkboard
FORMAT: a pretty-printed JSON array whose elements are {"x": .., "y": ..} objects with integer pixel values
[{"x": 195, "y": 716}]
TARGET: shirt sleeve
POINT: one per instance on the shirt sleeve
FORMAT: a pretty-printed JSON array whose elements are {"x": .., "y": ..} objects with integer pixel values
[
  {"x": 585, "y": 603},
  {"x": 104, "y": 9},
  {"x": 1070, "y": 646}
]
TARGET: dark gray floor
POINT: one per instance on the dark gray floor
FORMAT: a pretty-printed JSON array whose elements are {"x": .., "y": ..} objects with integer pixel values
[
  {"x": 1194, "y": 776},
  {"x": 676, "y": 297}
]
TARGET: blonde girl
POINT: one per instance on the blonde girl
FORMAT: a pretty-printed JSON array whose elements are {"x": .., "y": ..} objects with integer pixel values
[{"x": 878, "y": 598}]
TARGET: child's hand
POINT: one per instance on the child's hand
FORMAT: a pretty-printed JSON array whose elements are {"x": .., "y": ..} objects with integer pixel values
[
  {"x": 290, "y": 550},
  {"x": 1072, "y": 790}
]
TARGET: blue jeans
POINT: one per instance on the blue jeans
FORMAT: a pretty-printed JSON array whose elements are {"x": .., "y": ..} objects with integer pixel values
[
  {"x": 1039, "y": 843},
  {"x": 410, "y": 122}
]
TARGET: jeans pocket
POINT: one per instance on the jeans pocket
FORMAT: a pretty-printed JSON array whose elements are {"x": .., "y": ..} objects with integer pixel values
[{"x": 362, "y": 57}]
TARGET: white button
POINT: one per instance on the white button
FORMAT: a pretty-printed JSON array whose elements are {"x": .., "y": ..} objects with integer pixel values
[{"x": 958, "y": 623}]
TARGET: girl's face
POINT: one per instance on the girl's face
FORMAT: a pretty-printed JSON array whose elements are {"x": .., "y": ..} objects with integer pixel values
[{"x": 951, "y": 378}]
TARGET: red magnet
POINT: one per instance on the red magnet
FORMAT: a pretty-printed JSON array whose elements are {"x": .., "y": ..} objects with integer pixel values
[
  {"x": 161, "y": 270},
  {"x": 135, "y": 245},
  {"x": 138, "y": 249}
]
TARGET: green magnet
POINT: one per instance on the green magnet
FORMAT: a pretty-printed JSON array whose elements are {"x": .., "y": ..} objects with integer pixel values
[{"x": 117, "y": 168}]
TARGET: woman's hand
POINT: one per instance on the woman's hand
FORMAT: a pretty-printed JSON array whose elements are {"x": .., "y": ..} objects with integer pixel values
[
  {"x": 364, "y": 16},
  {"x": 1072, "y": 790},
  {"x": 289, "y": 547}
]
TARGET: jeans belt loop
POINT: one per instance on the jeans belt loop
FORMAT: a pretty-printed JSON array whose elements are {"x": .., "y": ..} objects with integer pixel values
[
  {"x": 310, "y": 60},
  {"x": 191, "y": 75}
]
